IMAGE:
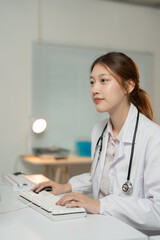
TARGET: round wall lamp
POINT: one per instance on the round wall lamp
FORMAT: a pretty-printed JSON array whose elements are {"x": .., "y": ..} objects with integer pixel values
[{"x": 39, "y": 125}]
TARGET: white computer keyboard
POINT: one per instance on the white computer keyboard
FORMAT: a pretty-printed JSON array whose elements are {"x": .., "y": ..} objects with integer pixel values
[{"x": 45, "y": 203}]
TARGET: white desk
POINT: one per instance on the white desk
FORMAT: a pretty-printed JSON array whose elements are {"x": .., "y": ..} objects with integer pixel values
[
  {"x": 27, "y": 224},
  {"x": 154, "y": 238}
]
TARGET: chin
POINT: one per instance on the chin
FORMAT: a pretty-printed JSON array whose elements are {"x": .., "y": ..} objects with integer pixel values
[{"x": 100, "y": 110}]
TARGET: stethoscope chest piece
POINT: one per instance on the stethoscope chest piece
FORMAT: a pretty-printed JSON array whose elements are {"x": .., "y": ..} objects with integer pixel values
[{"x": 127, "y": 187}]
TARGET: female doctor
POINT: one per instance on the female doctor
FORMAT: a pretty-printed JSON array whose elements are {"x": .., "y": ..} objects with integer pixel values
[{"x": 125, "y": 173}]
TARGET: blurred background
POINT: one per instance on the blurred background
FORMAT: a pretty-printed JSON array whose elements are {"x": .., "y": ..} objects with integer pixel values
[{"x": 46, "y": 48}]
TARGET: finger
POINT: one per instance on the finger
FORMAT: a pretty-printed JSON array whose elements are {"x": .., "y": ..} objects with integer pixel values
[
  {"x": 40, "y": 186},
  {"x": 68, "y": 198},
  {"x": 74, "y": 204},
  {"x": 35, "y": 187}
]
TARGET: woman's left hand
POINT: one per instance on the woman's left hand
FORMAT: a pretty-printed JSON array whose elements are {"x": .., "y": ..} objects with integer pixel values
[{"x": 80, "y": 200}]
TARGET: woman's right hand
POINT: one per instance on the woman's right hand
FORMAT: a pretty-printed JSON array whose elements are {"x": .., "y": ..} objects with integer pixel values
[{"x": 56, "y": 187}]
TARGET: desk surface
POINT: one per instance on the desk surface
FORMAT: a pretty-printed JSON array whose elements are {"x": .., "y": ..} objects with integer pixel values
[
  {"x": 71, "y": 160},
  {"x": 26, "y": 224},
  {"x": 154, "y": 238}
]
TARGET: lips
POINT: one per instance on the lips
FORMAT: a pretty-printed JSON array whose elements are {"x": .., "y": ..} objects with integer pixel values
[{"x": 98, "y": 100}]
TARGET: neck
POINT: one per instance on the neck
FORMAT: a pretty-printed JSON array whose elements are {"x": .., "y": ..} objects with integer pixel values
[{"x": 118, "y": 118}]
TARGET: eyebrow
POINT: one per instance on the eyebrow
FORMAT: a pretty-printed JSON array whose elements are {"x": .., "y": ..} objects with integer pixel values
[{"x": 103, "y": 74}]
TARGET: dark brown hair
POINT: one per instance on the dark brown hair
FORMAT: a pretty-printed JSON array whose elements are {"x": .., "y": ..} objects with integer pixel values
[{"x": 123, "y": 67}]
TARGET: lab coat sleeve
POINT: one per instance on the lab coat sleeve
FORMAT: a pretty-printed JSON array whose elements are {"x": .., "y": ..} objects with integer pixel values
[
  {"x": 81, "y": 183},
  {"x": 140, "y": 213}
]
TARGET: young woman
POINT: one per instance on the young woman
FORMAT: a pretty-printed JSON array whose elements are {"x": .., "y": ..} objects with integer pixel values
[{"x": 125, "y": 173}]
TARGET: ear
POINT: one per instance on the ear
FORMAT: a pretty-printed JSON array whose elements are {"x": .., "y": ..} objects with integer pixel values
[{"x": 130, "y": 84}]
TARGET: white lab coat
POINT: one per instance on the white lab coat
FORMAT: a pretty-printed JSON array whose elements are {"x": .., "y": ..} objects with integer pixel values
[{"x": 140, "y": 209}]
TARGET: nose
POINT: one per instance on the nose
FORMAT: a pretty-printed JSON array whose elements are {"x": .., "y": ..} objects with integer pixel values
[{"x": 95, "y": 89}]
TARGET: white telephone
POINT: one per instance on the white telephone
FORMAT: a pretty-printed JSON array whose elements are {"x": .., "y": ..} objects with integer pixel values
[{"x": 18, "y": 182}]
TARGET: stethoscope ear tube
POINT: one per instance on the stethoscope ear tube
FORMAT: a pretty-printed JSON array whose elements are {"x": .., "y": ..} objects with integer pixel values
[
  {"x": 100, "y": 140},
  {"x": 132, "y": 149},
  {"x": 128, "y": 187}
]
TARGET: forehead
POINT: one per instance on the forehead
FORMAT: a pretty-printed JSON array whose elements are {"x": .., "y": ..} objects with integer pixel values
[{"x": 99, "y": 70}]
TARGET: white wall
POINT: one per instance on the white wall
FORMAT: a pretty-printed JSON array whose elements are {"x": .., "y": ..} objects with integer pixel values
[
  {"x": 75, "y": 22},
  {"x": 18, "y": 27}
]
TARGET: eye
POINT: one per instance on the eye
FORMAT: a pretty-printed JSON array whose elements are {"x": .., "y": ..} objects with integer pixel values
[
  {"x": 91, "y": 82},
  {"x": 103, "y": 80}
]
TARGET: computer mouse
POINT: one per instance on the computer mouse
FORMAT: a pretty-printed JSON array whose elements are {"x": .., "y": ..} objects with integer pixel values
[
  {"x": 48, "y": 189},
  {"x": 18, "y": 173}
]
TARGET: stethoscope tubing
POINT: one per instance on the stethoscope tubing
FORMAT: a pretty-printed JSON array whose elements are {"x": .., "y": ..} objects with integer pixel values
[
  {"x": 132, "y": 149},
  {"x": 100, "y": 140}
]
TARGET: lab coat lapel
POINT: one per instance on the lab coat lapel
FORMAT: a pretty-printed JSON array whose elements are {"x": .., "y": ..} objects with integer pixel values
[
  {"x": 102, "y": 161},
  {"x": 129, "y": 126}
]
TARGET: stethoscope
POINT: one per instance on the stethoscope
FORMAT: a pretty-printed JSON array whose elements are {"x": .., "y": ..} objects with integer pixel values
[{"x": 127, "y": 187}]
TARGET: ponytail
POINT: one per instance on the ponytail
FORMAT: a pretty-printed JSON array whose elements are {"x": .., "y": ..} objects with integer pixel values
[{"x": 142, "y": 101}]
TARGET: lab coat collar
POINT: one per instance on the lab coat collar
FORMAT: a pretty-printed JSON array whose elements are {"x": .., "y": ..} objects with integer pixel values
[
  {"x": 110, "y": 132},
  {"x": 129, "y": 125},
  {"x": 127, "y": 131}
]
